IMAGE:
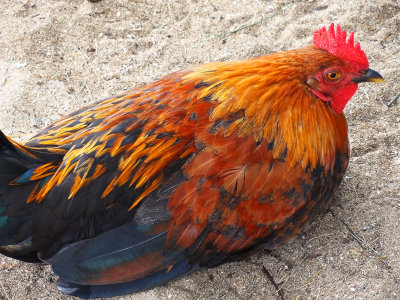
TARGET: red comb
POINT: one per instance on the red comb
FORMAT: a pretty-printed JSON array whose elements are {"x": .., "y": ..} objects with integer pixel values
[{"x": 335, "y": 43}]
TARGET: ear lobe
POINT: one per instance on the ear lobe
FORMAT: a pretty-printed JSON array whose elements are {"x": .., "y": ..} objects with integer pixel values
[{"x": 313, "y": 83}]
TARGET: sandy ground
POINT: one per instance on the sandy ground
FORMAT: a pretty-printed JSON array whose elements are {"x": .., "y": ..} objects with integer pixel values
[{"x": 56, "y": 56}]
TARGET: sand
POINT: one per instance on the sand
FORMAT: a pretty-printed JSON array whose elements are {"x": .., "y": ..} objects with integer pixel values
[{"x": 56, "y": 56}]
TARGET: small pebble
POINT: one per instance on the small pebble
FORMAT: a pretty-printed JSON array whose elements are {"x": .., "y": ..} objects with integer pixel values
[{"x": 321, "y": 7}]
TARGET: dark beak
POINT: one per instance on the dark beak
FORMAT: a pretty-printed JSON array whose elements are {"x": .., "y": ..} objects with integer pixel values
[{"x": 369, "y": 76}]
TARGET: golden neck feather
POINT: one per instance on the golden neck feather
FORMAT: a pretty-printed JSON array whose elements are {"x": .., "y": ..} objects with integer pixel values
[{"x": 277, "y": 104}]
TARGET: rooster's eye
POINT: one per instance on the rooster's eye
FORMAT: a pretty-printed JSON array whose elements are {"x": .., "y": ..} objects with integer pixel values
[{"x": 333, "y": 75}]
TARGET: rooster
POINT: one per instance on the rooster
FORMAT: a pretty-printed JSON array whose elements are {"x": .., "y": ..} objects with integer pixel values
[{"x": 199, "y": 168}]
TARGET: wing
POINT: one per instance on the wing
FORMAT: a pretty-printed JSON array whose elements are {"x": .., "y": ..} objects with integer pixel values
[{"x": 113, "y": 163}]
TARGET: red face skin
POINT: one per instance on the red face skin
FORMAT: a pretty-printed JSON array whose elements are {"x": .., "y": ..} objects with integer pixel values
[{"x": 338, "y": 90}]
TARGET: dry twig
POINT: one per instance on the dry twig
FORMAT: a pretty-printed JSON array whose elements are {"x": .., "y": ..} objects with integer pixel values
[
  {"x": 312, "y": 277},
  {"x": 355, "y": 236},
  {"x": 364, "y": 245},
  {"x": 4, "y": 290},
  {"x": 393, "y": 101},
  {"x": 272, "y": 280}
]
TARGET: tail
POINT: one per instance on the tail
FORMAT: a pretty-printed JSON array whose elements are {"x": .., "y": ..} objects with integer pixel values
[{"x": 17, "y": 164}]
